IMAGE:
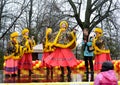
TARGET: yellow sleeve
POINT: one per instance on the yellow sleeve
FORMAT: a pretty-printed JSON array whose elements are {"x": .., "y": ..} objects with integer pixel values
[
  {"x": 97, "y": 50},
  {"x": 73, "y": 41}
]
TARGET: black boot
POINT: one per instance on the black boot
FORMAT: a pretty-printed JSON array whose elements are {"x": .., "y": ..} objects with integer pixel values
[
  {"x": 69, "y": 74},
  {"x": 7, "y": 76},
  {"x": 18, "y": 73},
  {"x": 62, "y": 74},
  {"x": 51, "y": 72},
  {"x": 47, "y": 73},
  {"x": 87, "y": 76},
  {"x": 30, "y": 72},
  {"x": 92, "y": 75},
  {"x": 14, "y": 75}
]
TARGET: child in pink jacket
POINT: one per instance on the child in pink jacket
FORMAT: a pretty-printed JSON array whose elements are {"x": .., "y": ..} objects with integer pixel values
[{"x": 107, "y": 75}]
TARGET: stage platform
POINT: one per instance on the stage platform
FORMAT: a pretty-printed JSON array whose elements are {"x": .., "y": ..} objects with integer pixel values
[
  {"x": 39, "y": 77},
  {"x": 53, "y": 83}
]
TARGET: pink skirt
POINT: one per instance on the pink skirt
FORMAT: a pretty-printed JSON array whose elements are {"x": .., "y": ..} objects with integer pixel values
[
  {"x": 25, "y": 62},
  {"x": 61, "y": 57},
  {"x": 99, "y": 59},
  {"x": 11, "y": 66},
  {"x": 45, "y": 54}
]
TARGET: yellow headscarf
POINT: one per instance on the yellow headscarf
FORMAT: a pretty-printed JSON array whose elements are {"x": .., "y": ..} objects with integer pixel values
[
  {"x": 25, "y": 30},
  {"x": 14, "y": 34},
  {"x": 99, "y": 30},
  {"x": 63, "y": 22}
]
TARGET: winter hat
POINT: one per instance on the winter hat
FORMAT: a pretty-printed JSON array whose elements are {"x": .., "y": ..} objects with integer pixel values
[{"x": 107, "y": 66}]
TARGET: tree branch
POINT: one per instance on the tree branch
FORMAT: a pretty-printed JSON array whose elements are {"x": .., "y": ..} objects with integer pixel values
[
  {"x": 76, "y": 14},
  {"x": 79, "y": 7},
  {"x": 99, "y": 20},
  {"x": 99, "y": 5},
  {"x": 87, "y": 14},
  {"x": 22, "y": 9},
  {"x": 94, "y": 2}
]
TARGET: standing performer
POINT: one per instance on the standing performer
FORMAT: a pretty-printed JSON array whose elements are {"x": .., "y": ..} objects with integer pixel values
[
  {"x": 88, "y": 54},
  {"x": 101, "y": 51},
  {"x": 63, "y": 42},
  {"x": 47, "y": 50},
  {"x": 26, "y": 60},
  {"x": 12, "y": 56}
]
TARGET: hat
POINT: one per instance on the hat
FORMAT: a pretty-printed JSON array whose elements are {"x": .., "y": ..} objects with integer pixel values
[
  {"x": 14, "y": 34},
  {"x": 99, "y": 30},
  {"x": 107, "y": 66},
  {"x": 25, "y": 30},
  {"x": 63, "y": 22}
]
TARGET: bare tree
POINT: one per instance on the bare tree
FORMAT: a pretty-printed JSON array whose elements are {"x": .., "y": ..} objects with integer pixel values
[
  {"x": 30, "y": 13},
  {"x": 96, "y": 11},
  {"x": 15, "y": 18},
  {"x": 111, "y": 25},
  {"x": 47, "y": 14},
  {"x": 2, "y": 6}
]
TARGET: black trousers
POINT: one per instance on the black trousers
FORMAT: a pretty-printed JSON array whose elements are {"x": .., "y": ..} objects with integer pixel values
[{"x": 88, "y": 60}]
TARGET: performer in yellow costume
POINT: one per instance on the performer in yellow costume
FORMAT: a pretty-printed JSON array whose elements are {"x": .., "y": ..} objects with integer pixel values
[
  {"x": 101, "y": 51},
  {"x": 26, "y": 60},
  {"x": 12, "y": 55},
  {"x": 62, "y": 43},
  {"x": 46, "y": 47},
  {"x": 46, "y": 51}
]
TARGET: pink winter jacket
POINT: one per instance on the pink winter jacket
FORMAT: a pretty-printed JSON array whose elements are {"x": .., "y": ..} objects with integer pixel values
[{"x": 106, "y": 78}]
